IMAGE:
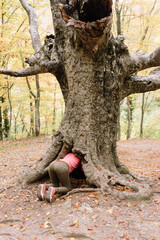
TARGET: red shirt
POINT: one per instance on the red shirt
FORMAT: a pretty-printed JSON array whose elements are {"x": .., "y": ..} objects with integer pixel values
[{"x": 72, "y": 161}]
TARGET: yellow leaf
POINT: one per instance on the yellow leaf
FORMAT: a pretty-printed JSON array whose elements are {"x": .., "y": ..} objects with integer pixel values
[
  {"x": 46, "y": 224},
  {"x": 48, "y": 213},
  {"x": 155, "y": 223},
  {"x": 110, "y": 211},
  {"x": 76, "y": 221}
]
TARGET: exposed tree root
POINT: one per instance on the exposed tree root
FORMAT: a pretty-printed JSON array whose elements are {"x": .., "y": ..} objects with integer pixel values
[
  {"x": 39, "y": 169},
  {"x": 138, "y": 191},
  {"x": 80, "y": 190},
  {"x": 104, "y": 179}
]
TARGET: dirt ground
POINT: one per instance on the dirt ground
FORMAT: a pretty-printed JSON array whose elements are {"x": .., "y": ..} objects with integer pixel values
[{"x": 91, "y": 215}]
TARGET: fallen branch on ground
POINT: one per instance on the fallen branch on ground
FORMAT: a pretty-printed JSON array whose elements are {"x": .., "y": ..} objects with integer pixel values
[
  {"x": 67, "y": 234},
  {"x": 10, "y": 220}
]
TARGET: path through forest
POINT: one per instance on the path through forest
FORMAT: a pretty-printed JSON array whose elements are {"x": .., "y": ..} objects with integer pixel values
[{"x": 90, "y": 215}]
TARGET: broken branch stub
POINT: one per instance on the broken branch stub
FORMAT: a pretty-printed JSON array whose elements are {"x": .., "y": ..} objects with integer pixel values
[{"x": 92, "y": 33}]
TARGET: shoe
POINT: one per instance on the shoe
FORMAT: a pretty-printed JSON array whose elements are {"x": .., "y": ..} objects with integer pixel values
[
  {"x": 41, "y": 192},
  {"x": 51, "y": 192}
]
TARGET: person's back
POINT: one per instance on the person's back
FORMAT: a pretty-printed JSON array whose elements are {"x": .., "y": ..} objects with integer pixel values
[{"x": 59, "y": 171}]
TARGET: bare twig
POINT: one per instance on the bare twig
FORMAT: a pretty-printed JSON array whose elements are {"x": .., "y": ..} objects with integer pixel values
[
  {"x": 151, "y": 220},
  {"x": 10, "y": 220},
  {"x": 3, "y": 189},
  {"x": 23, "y": 190}
]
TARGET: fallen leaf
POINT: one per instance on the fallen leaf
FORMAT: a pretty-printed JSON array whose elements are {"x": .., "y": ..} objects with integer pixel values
[
  {"x": 48, "y": 213},
  {"x": 90, "y": 228}
]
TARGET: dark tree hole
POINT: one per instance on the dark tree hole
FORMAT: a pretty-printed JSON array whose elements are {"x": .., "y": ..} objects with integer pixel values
[
  {"x": 89, "y": 10},
  {"x": 50, "y": 47}
]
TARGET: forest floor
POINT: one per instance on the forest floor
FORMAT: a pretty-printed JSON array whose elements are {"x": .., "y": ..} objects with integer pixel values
[{"x": 91, "y": 215}]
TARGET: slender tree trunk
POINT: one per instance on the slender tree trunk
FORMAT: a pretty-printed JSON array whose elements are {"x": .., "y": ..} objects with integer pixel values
[
  {"x": 15, "y": 127},
  {"x": 128, "y": 118},
  {"x": 24, "y": 125},
  {"x": 142, "y": 115},
  {"x": 37, "y": 106},
  {"x": 6, "y": 120},
  {"x": 118, "y": 16},
  {"x": 36, "y": 131},
  {"x": 46, "y": 125},
  {"x": 31, "y": 117},
  {"x": 10, "y": 110}
]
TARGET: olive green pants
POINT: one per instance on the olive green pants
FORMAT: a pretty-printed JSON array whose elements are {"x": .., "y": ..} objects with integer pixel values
[{"x": 59, "y": 173}]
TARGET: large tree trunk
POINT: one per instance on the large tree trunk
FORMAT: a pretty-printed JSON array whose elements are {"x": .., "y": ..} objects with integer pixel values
[{"x": 95, "y": 72}]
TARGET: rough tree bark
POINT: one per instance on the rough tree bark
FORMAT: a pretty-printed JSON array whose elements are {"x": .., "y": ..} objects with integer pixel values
[{"x": 95, "y": 72}]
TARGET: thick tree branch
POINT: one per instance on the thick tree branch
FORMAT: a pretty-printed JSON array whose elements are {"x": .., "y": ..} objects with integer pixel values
[
  {"x": 58, "y": 21},
  {"x": 143, "y": 60},
  {"x": 141, "y": 84},
  {"x": 36, "y": 42},
  {"x": 22, "y": 72}
]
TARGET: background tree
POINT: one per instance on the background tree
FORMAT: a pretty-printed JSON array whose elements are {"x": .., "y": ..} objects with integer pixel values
[
  {"x": 142, "y": 47},
  {"x": 96, "y": 72},
  {"x": 8, "y": 16},
  {"x": 138, "y": 21},
  {"x": 15, "y": 43}
]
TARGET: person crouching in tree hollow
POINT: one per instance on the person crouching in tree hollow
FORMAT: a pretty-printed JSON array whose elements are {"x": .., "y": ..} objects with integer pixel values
[{"x": 59, "y": 171}]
